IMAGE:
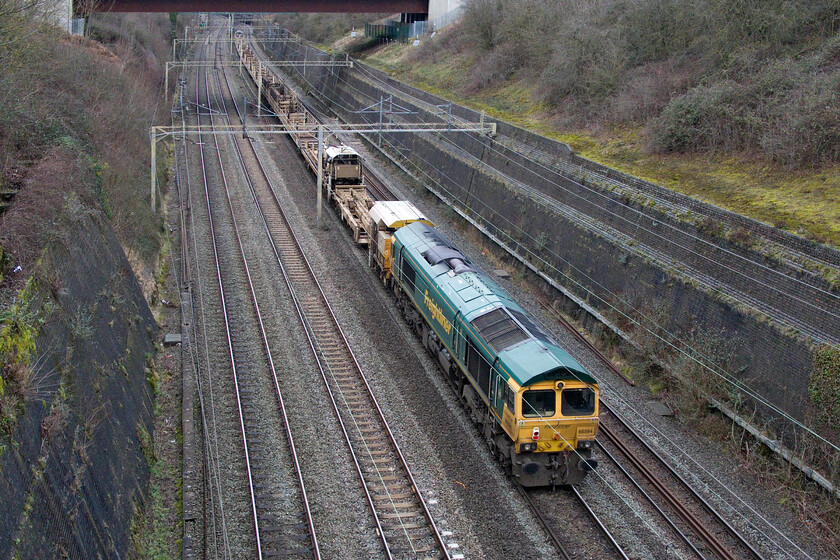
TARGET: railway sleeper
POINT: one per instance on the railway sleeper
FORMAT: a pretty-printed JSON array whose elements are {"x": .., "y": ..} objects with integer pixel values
[
  {"x": 389, "y": 497},
  {"x": 390, "y": 478},
  {"x": 403, "y": 505},
  {"x": 379, "y": 461},
  {"x": 408, "y": 527},
  {"x": 399, "y": 515}
]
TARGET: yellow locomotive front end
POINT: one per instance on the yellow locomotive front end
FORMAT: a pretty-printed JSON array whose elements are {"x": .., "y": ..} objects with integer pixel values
[{"x": 553, "y": 427}]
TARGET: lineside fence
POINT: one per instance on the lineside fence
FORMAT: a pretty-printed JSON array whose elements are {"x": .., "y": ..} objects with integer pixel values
[{"x": 393, "y": 30}]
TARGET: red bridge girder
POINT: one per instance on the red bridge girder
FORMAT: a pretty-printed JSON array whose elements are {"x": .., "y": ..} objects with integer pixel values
[{"x": 265, "y": 6}]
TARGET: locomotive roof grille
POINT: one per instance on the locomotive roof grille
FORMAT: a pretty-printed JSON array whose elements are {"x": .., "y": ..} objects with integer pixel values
[
  {"x": 532, "y": 328},
  {"x": 499, "y": 329},
  {"x": 436, "y": 237}
]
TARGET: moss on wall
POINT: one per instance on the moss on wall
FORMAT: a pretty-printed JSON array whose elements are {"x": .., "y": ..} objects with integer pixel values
[{"x": 824, "y": 388}]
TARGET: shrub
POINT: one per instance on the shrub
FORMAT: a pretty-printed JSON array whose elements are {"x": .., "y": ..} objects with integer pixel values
[
  {"x": 648, "y": 89},
  {"x": 708, "y": 75},
  {"x": 740, "y": 236},
  {"x": 587, "y": 63},
  {"x": 687, "y": 123},
  {"x": 804, "y": 130},
  {"x": 482, "y": 20},
  {"x": 657, "y": 30},
  {"x": 709, "y": 226}
]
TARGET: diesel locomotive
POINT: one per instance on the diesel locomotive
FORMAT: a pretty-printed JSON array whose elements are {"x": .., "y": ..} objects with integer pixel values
[{"x": 535, "y": 405}]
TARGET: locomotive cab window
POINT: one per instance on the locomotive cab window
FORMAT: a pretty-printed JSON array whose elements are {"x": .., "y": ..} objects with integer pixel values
[
  {"x": 539, "y": 403},
  {"x": 578, "y": 402},
  {"x": 408, "y": 274}
]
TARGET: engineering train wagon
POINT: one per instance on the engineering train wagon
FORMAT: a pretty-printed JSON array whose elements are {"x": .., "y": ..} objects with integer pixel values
[{"x": 536, "y": 406}]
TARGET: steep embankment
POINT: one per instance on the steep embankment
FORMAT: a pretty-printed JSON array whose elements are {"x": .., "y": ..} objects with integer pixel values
[
  {"x": 77, "y": 336},
  {"x": 77, "y": 417},
  {"x": 732, "y": 102}
]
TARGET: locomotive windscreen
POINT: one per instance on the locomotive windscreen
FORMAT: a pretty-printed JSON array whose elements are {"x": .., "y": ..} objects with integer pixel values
[
  {"x": 578, "y": 402},
  {"x": 537, "y": 404}
]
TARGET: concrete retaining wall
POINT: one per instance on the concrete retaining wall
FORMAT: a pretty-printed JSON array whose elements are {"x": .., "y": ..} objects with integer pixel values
[{"x": 597, "y": 266}]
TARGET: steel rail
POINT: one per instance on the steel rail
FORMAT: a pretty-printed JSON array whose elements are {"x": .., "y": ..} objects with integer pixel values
[
  {"x": 768, "y": 307},
  {"x": 229, "y": 338},
  {"x": 322, "y": 361},
  {"x": 211, "y": 445},
  {"x": 375, "y": 185},
  {"x": 314, "y": 346},
  {"x": 555, "y": 540},
  {"x": 737, "y": 536},
  {"x": 527, "y": 494},
  {"x": 658, "y": 487},
  {"x": 210, "y": 464},
  {"x": 266, "y": 345},
  {"x": 323, "y": 368},
  {"x": 583, "y": 340},
  {"x": 599, "y": 523}
]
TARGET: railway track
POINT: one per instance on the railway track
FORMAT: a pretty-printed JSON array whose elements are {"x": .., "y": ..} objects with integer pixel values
[
  {"x": 352, "y": 396},
  {"x": 788, "y": 291},
  {"x": 577, "y": 523},
  {"x": 691, "y": 516},
  {"x": 375, "y": 185},
  {"x": 717, "y": 269},
  {"x": 689, "y": 522},
  {"x": 691, "y": 527},
  {"x": 402, "y": 518},
  {"x": 279, "y": 511}
]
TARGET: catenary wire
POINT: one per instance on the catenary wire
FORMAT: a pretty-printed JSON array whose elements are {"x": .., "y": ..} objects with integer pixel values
[{"x": 679, "y": 349}]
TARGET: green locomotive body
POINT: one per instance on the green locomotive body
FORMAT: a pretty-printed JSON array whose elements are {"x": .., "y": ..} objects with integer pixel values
[{"x": 536, "y": 406}]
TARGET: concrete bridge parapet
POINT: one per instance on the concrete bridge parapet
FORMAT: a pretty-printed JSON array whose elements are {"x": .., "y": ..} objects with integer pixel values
[{"x": 440, "y": 8}]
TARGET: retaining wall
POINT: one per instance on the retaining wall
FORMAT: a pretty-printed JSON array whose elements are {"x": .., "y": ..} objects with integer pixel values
[{"x": 539, "y": 216}]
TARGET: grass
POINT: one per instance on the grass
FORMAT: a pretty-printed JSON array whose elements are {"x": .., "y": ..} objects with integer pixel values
[
  {"x": 158, "y": 531},
  {"x": 803, "y": 202}
]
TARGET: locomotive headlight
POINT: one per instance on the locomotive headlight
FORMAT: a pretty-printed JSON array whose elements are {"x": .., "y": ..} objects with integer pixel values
[
  {"x": 523, "y": 447},
  {"x": 584, "y": 444}
]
